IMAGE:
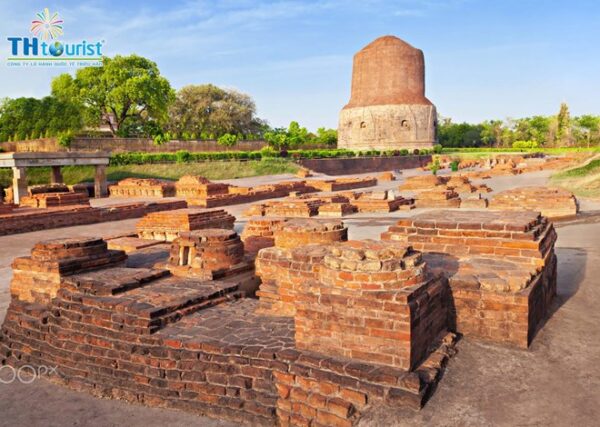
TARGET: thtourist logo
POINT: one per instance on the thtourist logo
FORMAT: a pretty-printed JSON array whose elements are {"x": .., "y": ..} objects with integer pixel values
[{"x": 45, "y": 50}]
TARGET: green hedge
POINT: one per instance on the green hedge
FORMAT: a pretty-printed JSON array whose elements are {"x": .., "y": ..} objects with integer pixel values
[{"x": 135, "y": 158}]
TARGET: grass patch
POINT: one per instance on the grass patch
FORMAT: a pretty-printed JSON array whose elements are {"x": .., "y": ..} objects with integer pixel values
[
  {"x": 591, "y": 168},
  {"x": 210, "y": 170},
  {"x": 583, "y": 181}
]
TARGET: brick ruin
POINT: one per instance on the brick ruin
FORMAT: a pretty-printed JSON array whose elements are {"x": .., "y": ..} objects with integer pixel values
[
  {"x": 259, "y": 233},
  {"x": 5, "y": 208},
  {"x": 552, "y": 202},
  {"x": 136, "y": 187},
  {"x": 37, "y": 278},
  {"x": 208, "y": 254},
  {"x": 332, "y": 205},
  {"x": 16, "y": 220},
  {"x": 507, "y": 164},
  {"x": 52, "y": 200},
  {"x": 338, "y": 327},
  {"x": 166, "y": 226},
  {"x": 386, "y": 176},
  {"x": 501, "y": 269},
  {"x": 342, "y": 184},
  {"x": 372, "y": 302},
  {"x": 457, "y": 183},
  {"x": 174, "y": 337},
  {"x": 443, "y": 197},
  {"x": 49, "y": 196}
]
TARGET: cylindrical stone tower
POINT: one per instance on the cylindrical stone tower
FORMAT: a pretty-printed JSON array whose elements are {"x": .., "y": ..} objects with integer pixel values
[{"x": 388, "y": 109}]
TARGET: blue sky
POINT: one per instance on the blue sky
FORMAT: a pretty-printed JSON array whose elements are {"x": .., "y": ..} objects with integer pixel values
[{"x": 484, "y": 59}]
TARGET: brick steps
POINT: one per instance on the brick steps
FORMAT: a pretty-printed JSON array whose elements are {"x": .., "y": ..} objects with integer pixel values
[{"x": 150, "y": 297}]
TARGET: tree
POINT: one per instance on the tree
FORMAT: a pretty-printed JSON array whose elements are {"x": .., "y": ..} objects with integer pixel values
[
  {"x": 124, "y": 91},
  {"x": 563, "y": 126},
  {"x": 296, "y": 135},
  {"x": 589, "y": 125},
  {"x": 536, "y": 128},
  {"x": 283, "y": 138},
  {"x": 326, "y": 136},
  {"x": 459, "y": 134},
  {"x": 209, "y": 112},
  {"x": 492, "y": 132}
]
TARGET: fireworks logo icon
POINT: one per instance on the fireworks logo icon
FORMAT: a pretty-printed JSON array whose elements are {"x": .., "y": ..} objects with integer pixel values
[{"x": 48, "y": 26}]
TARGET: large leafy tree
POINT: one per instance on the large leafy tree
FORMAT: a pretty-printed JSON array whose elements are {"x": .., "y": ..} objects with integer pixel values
[
  {"x": 589, "y": 125},
  {"x": 125, "y": 91},
  {"x": 208, "y": 111},
  {"x": 536, "y": 128}
]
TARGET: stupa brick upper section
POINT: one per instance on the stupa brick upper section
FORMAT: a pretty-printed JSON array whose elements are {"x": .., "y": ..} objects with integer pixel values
[{"x": 388, "y": 108}]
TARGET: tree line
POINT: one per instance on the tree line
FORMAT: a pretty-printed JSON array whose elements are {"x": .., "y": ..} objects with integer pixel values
[
  {"x": 560, "y": 130},
  {"x": 129, "y": 97}
]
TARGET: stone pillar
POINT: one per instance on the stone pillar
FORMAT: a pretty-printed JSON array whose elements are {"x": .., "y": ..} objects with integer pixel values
[
  {"x": 100, "y": 186},
  {"x": 56, "y": 176},
  {"x": 19, "y": 183}
]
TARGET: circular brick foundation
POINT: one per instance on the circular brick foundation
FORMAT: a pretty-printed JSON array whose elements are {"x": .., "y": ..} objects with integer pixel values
[
  {"x": 369, "y": 265},
  {"x": 300, "y": 232}
]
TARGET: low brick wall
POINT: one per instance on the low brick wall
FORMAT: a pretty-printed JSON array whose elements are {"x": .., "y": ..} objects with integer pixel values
[
  {"x": 26, "y": 220},
  {"x": 352, "y": 165}
]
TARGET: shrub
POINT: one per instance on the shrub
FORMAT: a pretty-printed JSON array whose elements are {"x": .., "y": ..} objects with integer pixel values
[
  {"x": 435, "y": 167},
  {"x": 268, "y": 152},
  {"x": 437, "y": 149},
  {"x": 454, "y": 166},
  {"x": 227, "y": 140},
  {"x": 525, "y": 145},
  {"x": 161, "y": 138},
  {"x": 65, "y": 139},
  {"x": 134, "y": 158},
  {"x": 183, "y": 156}
]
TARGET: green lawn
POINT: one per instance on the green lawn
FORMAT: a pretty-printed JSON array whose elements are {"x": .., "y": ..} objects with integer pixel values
[{"x": 173, "y": 171}]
